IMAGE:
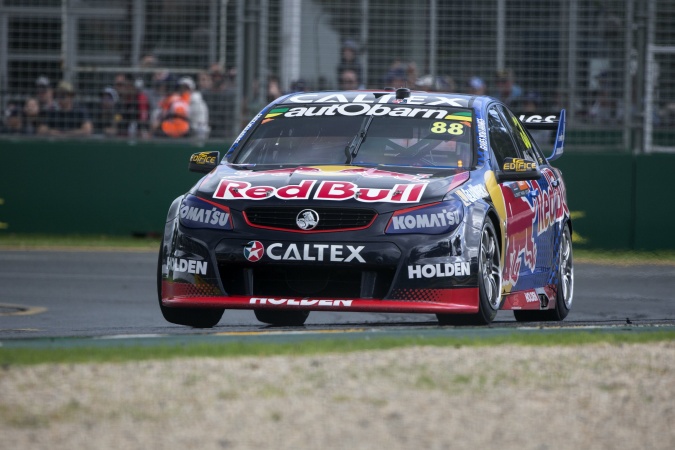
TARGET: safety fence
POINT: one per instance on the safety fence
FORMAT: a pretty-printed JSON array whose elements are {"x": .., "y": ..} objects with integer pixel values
[{"x": 610, "y": 63}]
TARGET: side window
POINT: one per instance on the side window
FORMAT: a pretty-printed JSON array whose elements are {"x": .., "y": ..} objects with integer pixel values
[
  {"x": 500, "y": 137},
  {"x": 525, "y": 143}
]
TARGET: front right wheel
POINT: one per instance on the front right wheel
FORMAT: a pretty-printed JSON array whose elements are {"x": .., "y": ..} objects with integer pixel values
[
  {"x": 191, "y": 317},
  {"x": 564, "y": 286},
  {"x": 489, "y": 282}
]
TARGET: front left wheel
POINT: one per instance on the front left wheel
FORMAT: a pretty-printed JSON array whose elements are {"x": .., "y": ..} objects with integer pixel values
[{"x": 489, "y": 282}]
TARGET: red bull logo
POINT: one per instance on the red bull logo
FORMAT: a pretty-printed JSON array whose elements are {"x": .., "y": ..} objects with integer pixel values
[
  {"x": 327, "y": 190},
  {"x": 549, "y": 205},
  {"x": 520, "y": 244}
]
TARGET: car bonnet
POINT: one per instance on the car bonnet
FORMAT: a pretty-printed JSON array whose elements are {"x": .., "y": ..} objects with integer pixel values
[{"x": 385, "y": 189}]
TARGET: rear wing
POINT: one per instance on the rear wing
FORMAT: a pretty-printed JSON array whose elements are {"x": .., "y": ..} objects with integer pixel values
[
  {"x": 548, "y": 122},
  {"x": 540, "y": 121}
]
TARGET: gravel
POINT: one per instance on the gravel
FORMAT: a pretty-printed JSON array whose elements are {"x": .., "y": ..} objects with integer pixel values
[{"x": 509, "y": 397}]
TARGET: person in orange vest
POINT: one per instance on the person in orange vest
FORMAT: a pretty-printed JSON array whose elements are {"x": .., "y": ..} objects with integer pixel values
[{"x": 175, "y": 114}]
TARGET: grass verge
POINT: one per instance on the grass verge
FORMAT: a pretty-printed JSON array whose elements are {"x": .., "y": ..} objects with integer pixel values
[
  {"x": 625, "y": 258},
  {"x": 9, "y": 241},
  {"x": 301, "y": 347}
]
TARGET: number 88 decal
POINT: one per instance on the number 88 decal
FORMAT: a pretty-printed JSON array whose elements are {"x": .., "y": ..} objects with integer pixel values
[{"x": 442, "y": 127}]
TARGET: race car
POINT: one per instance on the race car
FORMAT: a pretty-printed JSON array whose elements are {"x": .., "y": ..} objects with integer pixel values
[{"x": 373, "y": 201}]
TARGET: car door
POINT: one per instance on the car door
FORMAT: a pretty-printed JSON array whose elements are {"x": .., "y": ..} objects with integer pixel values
[
  {"x": 543, "y": 198},
  {"x": 520, "y": 249}
]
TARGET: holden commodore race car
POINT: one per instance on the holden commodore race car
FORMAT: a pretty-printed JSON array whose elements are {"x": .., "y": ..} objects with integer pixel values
[{"x": 373, "y": 201}]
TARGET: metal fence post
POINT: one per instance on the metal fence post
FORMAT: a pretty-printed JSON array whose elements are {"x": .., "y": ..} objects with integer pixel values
[
  {"x": 649, "y": 67},
  {"x": 4, "y": 67},
  {"x": 433, "y": 37},
  {"x": 66, "y": 55},
  {"x": 572, "y": 59},
  {"x": 263, "y": 49},
  {"x": 138, "y": 30},
  {"x": 239, "y": 80},
  {"x": 222, "y": 59},
  {"x": 364, "y": 40},
  {"x": 501, "y": 33},
  {"x": 291, "y": 12},
  {"x": 640, "y": 76},
  {"x": 628, "y": 76}
]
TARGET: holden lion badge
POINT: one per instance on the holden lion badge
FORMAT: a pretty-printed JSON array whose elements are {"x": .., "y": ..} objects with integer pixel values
[{"x": 307, "y": 219}]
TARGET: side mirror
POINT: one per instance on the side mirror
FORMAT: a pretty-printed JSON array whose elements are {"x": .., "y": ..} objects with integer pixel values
[
  {"x": 516, "y": 169},
  {"x": 203, "y": 162}
]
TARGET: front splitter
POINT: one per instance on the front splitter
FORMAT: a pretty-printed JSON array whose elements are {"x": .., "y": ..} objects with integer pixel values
[{"x": 456, "y": 301}]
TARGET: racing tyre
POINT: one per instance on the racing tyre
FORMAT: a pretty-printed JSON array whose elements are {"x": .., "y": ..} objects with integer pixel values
[
  {"x": 489, "y": 283},
  {"x": 565, "y": 287},
  {"x": 191, "y": 317},
  {"x": 281, "y": 318}
]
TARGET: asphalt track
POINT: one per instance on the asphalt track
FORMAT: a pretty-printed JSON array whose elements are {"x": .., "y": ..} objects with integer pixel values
[{"x": 51, "y": 294}]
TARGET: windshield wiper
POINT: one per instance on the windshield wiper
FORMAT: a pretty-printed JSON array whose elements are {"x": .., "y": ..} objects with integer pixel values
[{"x": 353, "y": 148}]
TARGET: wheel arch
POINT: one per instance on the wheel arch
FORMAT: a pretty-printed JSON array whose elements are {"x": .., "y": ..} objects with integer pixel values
[
  {"x": 174, "y": 208},
  {"x": 491, "y": 214},
  {"x": 568, "y": 223}
]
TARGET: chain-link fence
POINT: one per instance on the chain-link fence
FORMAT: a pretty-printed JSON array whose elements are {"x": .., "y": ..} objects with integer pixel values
[{"x": 124, "y": 63}]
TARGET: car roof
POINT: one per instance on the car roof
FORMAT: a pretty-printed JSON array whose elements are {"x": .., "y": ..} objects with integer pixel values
[{"x": 386, "y": 96}]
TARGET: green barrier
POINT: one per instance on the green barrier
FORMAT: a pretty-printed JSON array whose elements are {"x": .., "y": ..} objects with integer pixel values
[
  {"x": 654, "y": 207},
  {"x": 664, "y": 138},
  {"x": 600, "y": 198},
  {"x": 91, "y": 187},
  {"x": 617, "y": 200}
]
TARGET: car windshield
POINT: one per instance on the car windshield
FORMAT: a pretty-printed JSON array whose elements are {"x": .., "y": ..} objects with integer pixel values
[{"x": 363, "y": 134}]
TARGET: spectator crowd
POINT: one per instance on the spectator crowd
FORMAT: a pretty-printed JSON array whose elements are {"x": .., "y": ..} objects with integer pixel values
[
  {"x": 158, "y": 103},
  {"x": 164, "y": 105}
]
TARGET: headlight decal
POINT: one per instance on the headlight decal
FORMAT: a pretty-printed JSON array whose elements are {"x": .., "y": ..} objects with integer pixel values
[
  {"x": 199, "y": 213},
  {"x": 437, "y": 218}
]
